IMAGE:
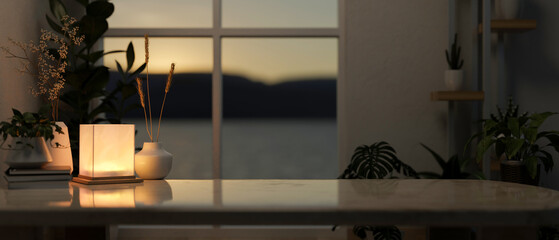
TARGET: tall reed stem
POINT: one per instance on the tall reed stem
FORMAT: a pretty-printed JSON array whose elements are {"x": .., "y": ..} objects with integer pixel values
[
  {"x": 167, "y": 87},
  {"x": 143, "y": 103},
  {"x": 147, "y": 84}
]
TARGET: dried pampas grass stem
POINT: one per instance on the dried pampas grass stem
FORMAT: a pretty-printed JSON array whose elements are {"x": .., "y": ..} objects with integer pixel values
[
  {"x": 139, "y": 87},
  {"x": 146, "y": 37},
  {"x": 167, "y": 87}
]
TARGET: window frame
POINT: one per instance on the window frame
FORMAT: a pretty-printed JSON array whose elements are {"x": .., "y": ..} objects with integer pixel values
[{"x": 217, "y": 33}]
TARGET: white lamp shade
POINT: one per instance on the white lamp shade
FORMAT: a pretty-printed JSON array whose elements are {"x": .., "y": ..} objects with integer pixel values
[{"x": 106, "y": 150}]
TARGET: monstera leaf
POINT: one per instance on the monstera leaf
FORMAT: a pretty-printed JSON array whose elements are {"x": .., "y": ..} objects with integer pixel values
[{"x": 375, "y": 162}]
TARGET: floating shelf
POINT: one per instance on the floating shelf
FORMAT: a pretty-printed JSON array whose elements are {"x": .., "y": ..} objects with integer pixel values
[
  {"x": 457, "y": 96},
  {"x": 512, "y": 25}
]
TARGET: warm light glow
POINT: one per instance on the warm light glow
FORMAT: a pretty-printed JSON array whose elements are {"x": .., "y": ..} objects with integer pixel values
[
  {"x": 106, "y": 198},
  {"x": 106, "y": 150}
]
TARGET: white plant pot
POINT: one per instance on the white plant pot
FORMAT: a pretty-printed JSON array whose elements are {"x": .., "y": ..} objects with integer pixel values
[
  {"x": 61, "y": 153},
  {"x": 453, "y": 79},
  {"x": 26, "y": 152},
  {"x": 153, "y": 162},
  {"x": 507, "y": 9}
]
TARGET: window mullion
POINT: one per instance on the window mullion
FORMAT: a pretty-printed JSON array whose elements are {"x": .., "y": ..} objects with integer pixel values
[{"x": 217, "y": 92}]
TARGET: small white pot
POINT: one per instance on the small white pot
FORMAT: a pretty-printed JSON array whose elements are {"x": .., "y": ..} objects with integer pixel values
[
  {"x": 61, "y": 153},
  {"x": 507, "y": 9},
  {"x": 153, "y": 162},
  {"x": 453, "y": 79}
]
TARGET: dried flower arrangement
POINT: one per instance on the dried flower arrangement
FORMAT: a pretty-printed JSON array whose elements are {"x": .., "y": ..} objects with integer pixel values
[
  {"x": 47, "y": 61},
  {"x": 139, "y": 86}
]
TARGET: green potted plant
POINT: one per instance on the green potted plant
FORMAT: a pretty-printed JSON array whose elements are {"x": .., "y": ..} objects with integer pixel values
[
  {"x": 517, "y": 140},
  {"x": 453, "y": 168},
  {"x": 376, "y": 161},
  {"x": 87, "y": 98},
  {"x": 26, "y": 136},
  {"x": 454, "y": 75}
]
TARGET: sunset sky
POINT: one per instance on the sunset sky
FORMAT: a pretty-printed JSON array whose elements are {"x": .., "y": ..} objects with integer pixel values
[{"x": 270, "y": 60}]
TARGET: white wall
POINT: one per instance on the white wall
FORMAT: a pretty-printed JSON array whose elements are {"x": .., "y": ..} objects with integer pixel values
[
  {"x": 395, "y": 58},
  {"x": 21, "y": 21}
]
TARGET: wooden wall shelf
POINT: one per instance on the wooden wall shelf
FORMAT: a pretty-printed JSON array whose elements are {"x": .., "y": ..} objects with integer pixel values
[
  {"x": 457, "y": 96},
  {"x": 511, "y": 26}
]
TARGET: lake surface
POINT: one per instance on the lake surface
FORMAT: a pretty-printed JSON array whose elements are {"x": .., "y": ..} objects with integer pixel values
[{"x": 255, "y": 148}]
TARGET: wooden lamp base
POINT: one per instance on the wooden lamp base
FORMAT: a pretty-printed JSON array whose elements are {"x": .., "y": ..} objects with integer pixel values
[{"x": 105, "y": 180}]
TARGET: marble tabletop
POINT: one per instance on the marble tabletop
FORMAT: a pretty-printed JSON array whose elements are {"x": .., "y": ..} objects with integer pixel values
[{"x": 285, "y": 202}]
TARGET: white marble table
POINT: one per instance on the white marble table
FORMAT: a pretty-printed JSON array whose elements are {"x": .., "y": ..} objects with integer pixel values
[{"x": 270, "y": 202}]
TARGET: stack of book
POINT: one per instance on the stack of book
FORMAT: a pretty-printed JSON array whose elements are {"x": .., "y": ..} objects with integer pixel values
[{"x": 47, "y": 177}]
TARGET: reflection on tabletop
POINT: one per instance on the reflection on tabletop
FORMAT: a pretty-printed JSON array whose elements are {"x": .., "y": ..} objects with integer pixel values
[{"x": 369, "y": 195}]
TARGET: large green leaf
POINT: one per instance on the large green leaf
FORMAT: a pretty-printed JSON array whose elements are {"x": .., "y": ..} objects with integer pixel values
[
  {"x": 93, "y": 28},
  {"x": 530, "y": 134},
  {"x": 130, "y": 56},
  {"x": 537, "y": 119},
  {"x": 101, "y": 9},
  {"x": 488, "y": 125},
  {"x": 437, "y": 157},
  {"x": 532, "y": 166},
  {"x": 95, "y": 56},
  {"x": 97, "y": 79},
  {"x": 482, "y": 147},
  {"x": 514, "y": 127},
  {"x": 513, "y": 146},
  {"x": 57, "y": 8},
  {"x": 375, "y": 161},
  {"x": 139, "y": 70}
]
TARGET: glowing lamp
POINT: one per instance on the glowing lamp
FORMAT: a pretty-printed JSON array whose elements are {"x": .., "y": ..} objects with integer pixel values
[{"x": 106, "y": 154}]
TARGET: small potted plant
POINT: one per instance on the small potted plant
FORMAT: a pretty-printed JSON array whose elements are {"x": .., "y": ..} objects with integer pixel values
[
  {"x": 517, "y": 140},
  {"x": 454, "y": 75},
  {"x": 26, "y": 137}
]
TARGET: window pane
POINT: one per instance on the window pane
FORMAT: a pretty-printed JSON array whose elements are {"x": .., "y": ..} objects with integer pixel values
[
  {"x": 279, "y": 108},
  {"x": 186, "y": 128},
  {"x": 280, "y": 13},
  {"x": 161, "y": 14}
]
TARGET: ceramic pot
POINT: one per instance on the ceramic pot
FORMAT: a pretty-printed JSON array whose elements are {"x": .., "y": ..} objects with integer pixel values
[
  {"x": 453, "y": 79},
  {"x": 26, "y": 152},
  {"x": 60, "y": 149},
  {"x": 516, "y": 172},
  {"x": 153, "y": 162},
  {"x": 507, "y": 9}
]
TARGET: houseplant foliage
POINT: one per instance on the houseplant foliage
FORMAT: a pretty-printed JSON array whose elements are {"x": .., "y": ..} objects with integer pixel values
[
  {"x": 85, "y": 98},
  {"x": 116, "y": 99},
  {"x": 28, "y": 125},
  {"x": 453, "y": 168},
  {"x": 454, "y": 75},
  {"x": 453, "y": 57},
  {"x": 517, "y": 138},
  {"x": 376, "y": 161}
]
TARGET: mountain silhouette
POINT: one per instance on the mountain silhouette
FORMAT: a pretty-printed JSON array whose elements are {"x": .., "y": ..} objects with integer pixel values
[{"x": 190, "y": 96}]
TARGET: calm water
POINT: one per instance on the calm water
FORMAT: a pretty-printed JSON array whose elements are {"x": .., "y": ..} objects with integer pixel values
[{"x": 260, "y": 148}]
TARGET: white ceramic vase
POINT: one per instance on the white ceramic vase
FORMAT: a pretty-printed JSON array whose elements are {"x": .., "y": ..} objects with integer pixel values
[
  {"x": 61, "y": 153},
  {"x": 507, "y": 9},
  {"x": 153, "y": 162},
  {"x": 453, "y": 79},
  {"x": 26, "y": 152}
]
